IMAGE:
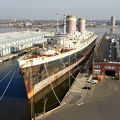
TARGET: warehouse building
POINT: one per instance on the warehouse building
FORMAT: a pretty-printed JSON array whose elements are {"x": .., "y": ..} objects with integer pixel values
[
  {"x": 12, "y": 42},
  {"x": 106, "y": 60}
]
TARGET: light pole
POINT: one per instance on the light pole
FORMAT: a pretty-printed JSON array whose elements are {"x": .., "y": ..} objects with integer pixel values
[{"x": 57, "y": 24}]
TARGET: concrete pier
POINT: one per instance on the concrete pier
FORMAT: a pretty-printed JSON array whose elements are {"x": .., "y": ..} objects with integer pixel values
[
  {"x": 77, "y": 93},
  {"x": 16, "y": 54}
]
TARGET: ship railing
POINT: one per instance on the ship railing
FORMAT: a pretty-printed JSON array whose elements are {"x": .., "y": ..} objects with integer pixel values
[{"x": 45, "y": 58}]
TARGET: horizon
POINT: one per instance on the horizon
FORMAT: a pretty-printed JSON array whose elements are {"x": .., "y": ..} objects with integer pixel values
[{"x": 47, "y": 10}]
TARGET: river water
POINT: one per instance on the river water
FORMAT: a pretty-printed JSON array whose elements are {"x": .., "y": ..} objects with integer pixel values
[{"x": 13, "y": 98}]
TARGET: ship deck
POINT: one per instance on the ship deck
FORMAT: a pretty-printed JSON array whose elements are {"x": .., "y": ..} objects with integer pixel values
[{"x": 41, "y": 55}]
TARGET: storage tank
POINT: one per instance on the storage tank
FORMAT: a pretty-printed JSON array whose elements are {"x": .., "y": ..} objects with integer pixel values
[
  {"x": 81, "y": 25},
  {"x": 70, "y": 24}
]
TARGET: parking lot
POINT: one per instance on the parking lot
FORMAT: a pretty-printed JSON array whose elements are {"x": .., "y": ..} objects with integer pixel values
[
  {"x": 106, "y": 87},
  {"x": 102, "y": 102}
]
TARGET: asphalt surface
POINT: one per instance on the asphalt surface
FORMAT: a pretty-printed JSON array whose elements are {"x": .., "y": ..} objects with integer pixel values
[
  {"x": 107, "y": 51},
  {"x": 102, "y": 103}
]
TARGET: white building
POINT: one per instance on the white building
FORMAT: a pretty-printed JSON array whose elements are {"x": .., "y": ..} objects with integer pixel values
[{"x": 14, "y": 41}]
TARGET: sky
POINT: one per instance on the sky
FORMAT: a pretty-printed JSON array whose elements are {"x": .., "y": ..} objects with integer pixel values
[{"x": 47, "y": 9}]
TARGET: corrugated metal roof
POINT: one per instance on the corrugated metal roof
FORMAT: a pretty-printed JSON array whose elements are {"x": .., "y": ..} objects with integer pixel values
[{"x": 16, "y": 35}]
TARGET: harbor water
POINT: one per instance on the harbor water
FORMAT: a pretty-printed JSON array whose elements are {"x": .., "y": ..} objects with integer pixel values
[{"x": 13, "y": 98}]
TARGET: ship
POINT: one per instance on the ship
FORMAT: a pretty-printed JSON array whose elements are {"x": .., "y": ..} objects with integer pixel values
[{"x": 61, "y": 56}]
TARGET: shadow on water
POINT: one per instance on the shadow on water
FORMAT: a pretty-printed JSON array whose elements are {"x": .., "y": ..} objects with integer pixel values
[
  {"x": 16, "y": 87},
  {"x": 51, "y": 101}
]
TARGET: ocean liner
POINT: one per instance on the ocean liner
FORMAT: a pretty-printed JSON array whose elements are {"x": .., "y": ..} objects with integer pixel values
[{"x": 62, "y": 54}]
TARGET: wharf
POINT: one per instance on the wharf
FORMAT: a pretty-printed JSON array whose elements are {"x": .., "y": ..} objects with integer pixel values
[
  {"x": 75, "y": 96},
  {"x": 16, "y": 54},
  {"x": 102, "y": 104},
  {"x": 76, "y": 93}
]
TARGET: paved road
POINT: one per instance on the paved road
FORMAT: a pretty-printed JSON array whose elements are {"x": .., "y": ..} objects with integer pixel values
[
  {"x": 101, "y": 103},
  {"x": 107, "y": 50}
]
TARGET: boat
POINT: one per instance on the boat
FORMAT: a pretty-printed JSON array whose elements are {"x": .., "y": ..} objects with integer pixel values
[{"x": 61, "y": 56}]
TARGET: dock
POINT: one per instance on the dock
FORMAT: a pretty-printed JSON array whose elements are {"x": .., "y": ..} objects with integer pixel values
[
  {"x": 76, "y": 93},
  {"x": 16, "y": 54},
  {"x": 103, "y": 103}
]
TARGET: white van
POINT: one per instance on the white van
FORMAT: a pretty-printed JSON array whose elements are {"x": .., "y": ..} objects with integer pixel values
[{"x": 93, "y": 81}]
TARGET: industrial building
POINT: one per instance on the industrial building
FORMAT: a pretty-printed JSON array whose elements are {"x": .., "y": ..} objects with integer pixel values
[
  {"x": 113, "y": 20},
  {"x": 15, "y": 41},
  {"x": 106, "y": 60}
]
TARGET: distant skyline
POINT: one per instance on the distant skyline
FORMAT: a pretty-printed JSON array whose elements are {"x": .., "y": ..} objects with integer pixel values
[{"x": 47, "y": 9}]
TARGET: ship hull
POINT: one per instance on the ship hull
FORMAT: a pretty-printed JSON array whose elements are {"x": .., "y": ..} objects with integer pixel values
[
  {"x": 47, "y": 76},
  {"x": 61, "y": 85}
]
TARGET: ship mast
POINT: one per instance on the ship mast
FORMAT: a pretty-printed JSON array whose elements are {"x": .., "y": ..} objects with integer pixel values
[
  {"x": 57, "y": 24},
  {"x": 64, "y": 28},
  {"x": 64, "y": 23}
]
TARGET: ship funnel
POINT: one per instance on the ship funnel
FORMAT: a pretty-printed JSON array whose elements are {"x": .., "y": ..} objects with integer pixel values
[
  {"x": 81, "y": 25},
  {"x": 70, "y": 24}
]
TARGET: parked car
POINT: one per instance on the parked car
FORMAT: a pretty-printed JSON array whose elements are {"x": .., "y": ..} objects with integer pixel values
[
  {"x": 93, "y": 81},
  {"x": 86, "y": 87}
]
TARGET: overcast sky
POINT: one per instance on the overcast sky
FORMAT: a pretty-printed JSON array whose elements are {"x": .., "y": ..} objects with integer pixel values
[{"x": 47, "y": 9}]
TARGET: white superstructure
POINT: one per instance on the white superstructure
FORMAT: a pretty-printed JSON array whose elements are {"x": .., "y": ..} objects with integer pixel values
[{"x": 73, "y": 43}]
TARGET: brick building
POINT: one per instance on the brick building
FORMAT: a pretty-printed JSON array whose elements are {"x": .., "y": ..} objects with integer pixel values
[{"x": 107, "y": 56}]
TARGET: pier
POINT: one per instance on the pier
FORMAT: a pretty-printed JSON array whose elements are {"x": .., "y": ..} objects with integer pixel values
[
  {"x": 76, "y": 93},
  {"x": 18, "y": 53}
]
